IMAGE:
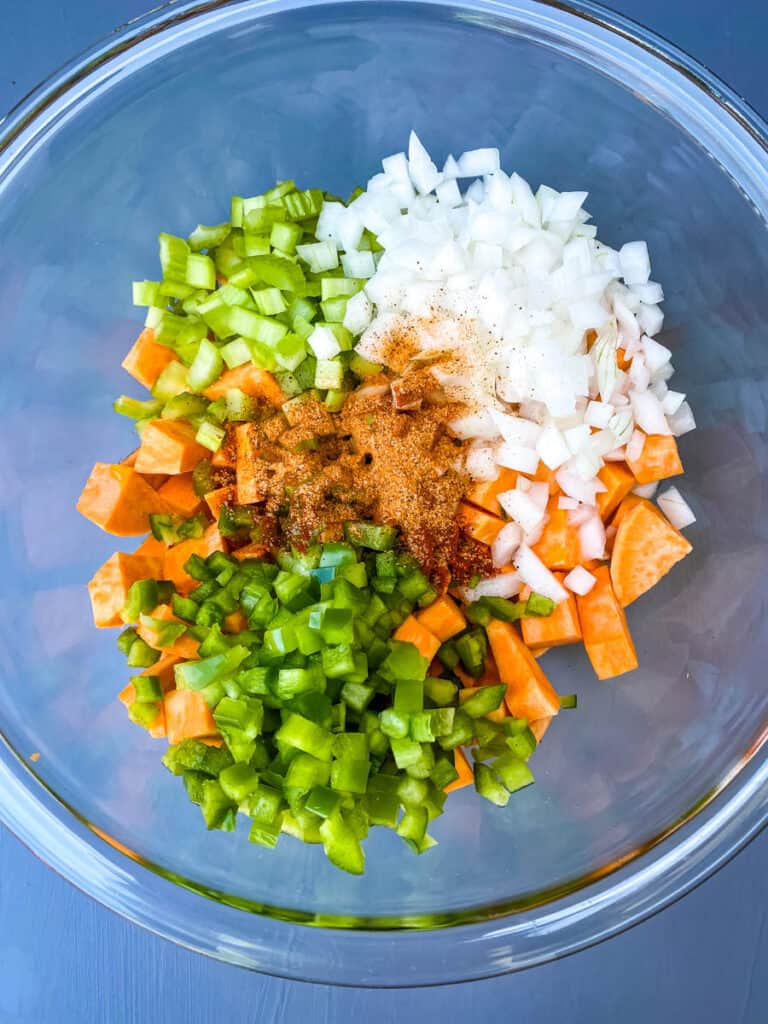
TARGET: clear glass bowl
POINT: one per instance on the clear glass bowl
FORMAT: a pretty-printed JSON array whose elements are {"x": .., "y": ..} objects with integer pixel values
[{"x": 658, "y": 777}]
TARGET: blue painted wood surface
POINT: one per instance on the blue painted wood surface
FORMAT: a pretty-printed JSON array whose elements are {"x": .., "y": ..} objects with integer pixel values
[{"x": 65, "y": 959}]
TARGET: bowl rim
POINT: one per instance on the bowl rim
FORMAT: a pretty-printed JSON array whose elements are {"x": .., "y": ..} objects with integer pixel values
[{"x": 642, "y": 883}]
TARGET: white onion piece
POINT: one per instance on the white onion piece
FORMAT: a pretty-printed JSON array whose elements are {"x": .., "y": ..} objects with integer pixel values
[
  {"x": 603, "y": 442},
  {"x": 506, "y": 584},
  {"x": 476, "y": 163},
  {"x": 577, "y": 437},
  {"x": 650, "y": 318},
  {"x": 358, "y": 264},
  {"x": 671, "y": 402},
  {"x": 396, "y": 167},
  {"x": 635, "y": 446},
  {"x": 521, "y": 508},
  {"x": 635, "y": 263},
  {"x": 323, "y": 343},
  {"x": 481, "y": 464},
  {"x": 478, "y": 425},
  {"x": 567, "y": 504},
  {"x": 656, "y": 354},
  {"x": 648, "y": 413},
  {"x": 645, "y": 490},
  {"x": 650, "y": 293},
  {"x": 450, "y": 167},
  {"x": 532, "y": 571},
  {"x": 508, "y": 540},
  {"x": 524, "y": 460},
  {"x": 514, "y": 429},
  {"x": 423, "y": 172},
  {"x": 358, "y": 313},
  {"x": 676, "y": 508},
  {"x": 579, "y": 581},
  {"x": 449, "y": 194},
  {"x": 538, "y": 491},
  {"x": 682, "y": 421},
  {"x": 598, "y": 414},
  {"x": 592, "y": 538},
  {"x": 575, "y": 487},
  {"x": 552, "y": 448},
  {"x": 581, "y": 514}
]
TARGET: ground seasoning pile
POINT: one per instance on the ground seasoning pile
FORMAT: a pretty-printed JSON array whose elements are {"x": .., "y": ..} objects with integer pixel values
[{"x": 387, "y": 457}]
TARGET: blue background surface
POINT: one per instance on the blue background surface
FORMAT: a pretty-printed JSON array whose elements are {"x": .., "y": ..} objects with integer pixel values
[{"x": 65, "y": 959}]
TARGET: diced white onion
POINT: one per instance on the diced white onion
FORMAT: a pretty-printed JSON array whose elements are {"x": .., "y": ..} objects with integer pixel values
[
  {"x": 508, "y": 540},
  {"x": 515, "y": 456},
  {"x": 476, "y": 163},
  {"x": 532, "y": 571},
  {"x": 598, "y": 414},
  {"x": 592, "y": 538},
  {"x": 511, "y": 283},
  {"x": 645, "y": 490},
  {"x": 579, "y": 581},
  {"x": 552, "y": 448},
  {"x": 648, "y": 413},
  {"x": 676, "y": 508},
  {"x": 522, "y": 509},
  {"x": 323, "y": 343},
  {"x": 635, "y": 446},
  {"x": 358, "y": 313},
  {"x": 682, "y": 421},
  {"x": 635, "y": 263},
  {"x": 358, "y": 264},
  {"x": 506, "y": 584},
  {"x": 481, "y": 464}
]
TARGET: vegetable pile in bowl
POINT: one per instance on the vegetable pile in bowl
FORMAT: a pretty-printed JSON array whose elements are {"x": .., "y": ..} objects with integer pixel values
[{"x": 396, "y": 449}]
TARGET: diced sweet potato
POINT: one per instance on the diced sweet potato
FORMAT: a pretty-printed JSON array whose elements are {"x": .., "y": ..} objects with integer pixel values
[
  {"x": 155, "y": 480},
  {"x": 215, "y": 499},
  {"x": 235, "y": 622},
  {"x": 529, "y": 693},
  {"x": 146, "y": 359},
  {"x": 178, "y": 555},
  {"x": 539, "y": 727},
  {"x": 183, "y": 649},
  {"x": 484, "y": 493},
  {"x": 619, "y": 481},
  {"x": 180, "y": 493},
  {"x": 625, "y": 506},
  {"x": 479, "y": 525},
  {"x": 464, "y": 768},
  {"x": 249, "y": 481},
  {"x": 254, "y": 550},
  {"x": 645, "y": 549},
  {"x": 561, "y": 627},
  {"x": 558, "y": 547},
  {"x": 607, "y": 639},
  {"x": 109, "y": 587},
  {"x": 251, "y": 381},
  {"x": 443, "y": 617},
  {"x": 119, "y": 500},
  {"x": 154, "y": 548},
  {"x": 157, "y": 729},
  {"x": 413, "y": 632},
  {"x": 187, "y": 716},
  {"x": 169, "y": 446},
  {"x": 658, "y": 460}
]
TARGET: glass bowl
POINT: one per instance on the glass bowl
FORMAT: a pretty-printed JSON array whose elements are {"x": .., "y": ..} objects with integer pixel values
[{"x": 658, "y": 777}]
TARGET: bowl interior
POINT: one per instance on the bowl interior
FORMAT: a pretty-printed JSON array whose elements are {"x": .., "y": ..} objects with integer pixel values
[{"x": 319, "y": 95}]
